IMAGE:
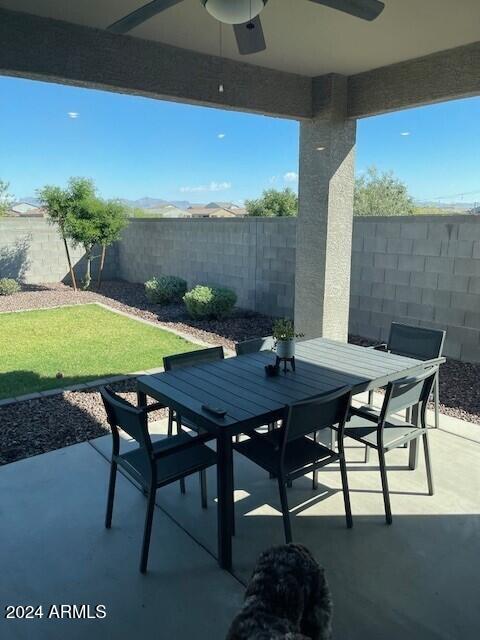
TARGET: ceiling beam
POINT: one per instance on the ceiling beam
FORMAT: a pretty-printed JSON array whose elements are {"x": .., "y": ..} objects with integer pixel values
[
  {"x": 55, "y": 51},
  {"x": 446, "y": 75}
]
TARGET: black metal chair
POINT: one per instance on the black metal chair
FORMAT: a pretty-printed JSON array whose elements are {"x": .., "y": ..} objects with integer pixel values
[
  {"x": 254, "y": 345},
  {"x": 189, "y": 359},
  {"x": 383, "y": 432},
  {"x": 287, "y": 452},
  {"x": 415, "y": 342},
  {"x": 152, "y": 465}
]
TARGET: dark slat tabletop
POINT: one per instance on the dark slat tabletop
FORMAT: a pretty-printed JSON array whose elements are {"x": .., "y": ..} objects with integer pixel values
[{"x": 240, "y": 387}]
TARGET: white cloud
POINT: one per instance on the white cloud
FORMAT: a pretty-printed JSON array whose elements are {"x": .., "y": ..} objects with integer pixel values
[
  {"x": 213, "y": 186},
  {"x": 405, "y": 133},
  {"x": 290, "y": 176},
  {"x": 221, "y": 136},
  {"x": 73, "y": 115}
]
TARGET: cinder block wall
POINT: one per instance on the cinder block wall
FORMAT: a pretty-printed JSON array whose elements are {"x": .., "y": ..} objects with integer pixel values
[
  {"x": 31, "y": 250},
  {"x": 423, "y": 271},
  {"x": 255, "y": 256}
]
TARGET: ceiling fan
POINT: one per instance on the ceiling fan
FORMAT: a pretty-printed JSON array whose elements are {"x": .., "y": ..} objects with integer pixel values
[{"x": 244, "y": 15}]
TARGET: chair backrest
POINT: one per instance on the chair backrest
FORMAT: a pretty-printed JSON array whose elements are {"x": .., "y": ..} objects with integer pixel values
[
  {"x": 254, "y": 345},
  {"x": 121, "y": 414},
  {"x": 416, "y": 342},
  {"x": 193, "y": 357},
  {"x": 317, "y": 413},
  {"x": 408, "y": 392}
]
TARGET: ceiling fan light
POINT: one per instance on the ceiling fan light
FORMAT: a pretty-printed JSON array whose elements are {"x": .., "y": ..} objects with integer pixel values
[{"x": 234, "y": 11}]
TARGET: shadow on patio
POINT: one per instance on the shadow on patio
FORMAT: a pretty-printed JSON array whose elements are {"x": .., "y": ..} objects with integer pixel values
[{"x": 417, "y": 577}]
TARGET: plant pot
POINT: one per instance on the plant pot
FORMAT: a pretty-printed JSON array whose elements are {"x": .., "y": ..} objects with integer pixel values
[{"x": 286, "y": 348}]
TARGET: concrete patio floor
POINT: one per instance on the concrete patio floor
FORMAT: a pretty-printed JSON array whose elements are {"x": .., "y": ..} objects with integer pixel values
[{"x": 418, "y": 578}]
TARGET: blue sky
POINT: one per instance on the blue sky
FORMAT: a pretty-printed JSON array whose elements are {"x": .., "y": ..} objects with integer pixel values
[{"x": 134, "y": 147}]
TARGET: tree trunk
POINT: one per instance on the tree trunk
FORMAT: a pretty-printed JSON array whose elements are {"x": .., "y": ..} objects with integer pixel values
[
  {"x": 88, "y": 269},
  {"x": 72, "y": 272},
  {"x": 102, "y": 262}
]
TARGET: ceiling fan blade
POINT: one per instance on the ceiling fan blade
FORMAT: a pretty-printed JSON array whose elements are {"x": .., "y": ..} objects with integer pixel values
[
  {"x": 132, "y": 20},
  {"x": 365, "y": 9},
  {"x": 249, "y": 35}
]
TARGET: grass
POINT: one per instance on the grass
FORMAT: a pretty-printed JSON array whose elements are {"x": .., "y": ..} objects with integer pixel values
[{"x": 83, "y": 343}]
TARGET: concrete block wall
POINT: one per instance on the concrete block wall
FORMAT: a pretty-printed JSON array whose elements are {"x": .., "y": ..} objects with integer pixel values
[
  {"x": 31, "y": 250},
  {"x": 421, "y": 270},
  {"x": 255, "y": 256}
]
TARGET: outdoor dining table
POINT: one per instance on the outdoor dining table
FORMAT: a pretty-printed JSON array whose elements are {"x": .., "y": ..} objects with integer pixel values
[{"x": 250, "y": 398}]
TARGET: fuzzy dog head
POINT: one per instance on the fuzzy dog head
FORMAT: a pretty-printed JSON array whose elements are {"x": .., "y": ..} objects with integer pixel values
[{"x": 287, "y": 598}]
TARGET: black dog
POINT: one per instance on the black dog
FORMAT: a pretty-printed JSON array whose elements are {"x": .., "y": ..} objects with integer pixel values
[{"x": 287, "y": 598}]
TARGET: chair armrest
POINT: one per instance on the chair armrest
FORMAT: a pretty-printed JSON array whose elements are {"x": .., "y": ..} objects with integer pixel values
[
  {"x": 382, "y": 346},
  {"x": 155, "y": 406},
  {"x": 363, "y": 414},
  {"x": 181, "y": 446}
]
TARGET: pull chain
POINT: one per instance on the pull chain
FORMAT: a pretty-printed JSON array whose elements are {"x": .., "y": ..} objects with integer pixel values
[{"x": 220, "y": 86}]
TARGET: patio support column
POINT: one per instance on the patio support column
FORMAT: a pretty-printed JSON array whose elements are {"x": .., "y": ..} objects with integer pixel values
[{"x": 324, "y": 225}]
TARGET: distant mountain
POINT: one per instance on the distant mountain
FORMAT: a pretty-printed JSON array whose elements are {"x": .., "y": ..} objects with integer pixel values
[
  {"x": 155, "y": 203},
  {"x": 453, "y": 206}
]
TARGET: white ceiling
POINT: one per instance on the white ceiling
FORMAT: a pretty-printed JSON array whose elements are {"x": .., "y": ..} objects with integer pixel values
[{"x": 301, "y": 37}]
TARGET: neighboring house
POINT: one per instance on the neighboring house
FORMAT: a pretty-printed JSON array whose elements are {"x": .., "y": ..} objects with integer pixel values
[
  {"x": 209, "y": 212},
  {"x": 24, "y": 209},
  {"x": 229, "y": 206},
  {"x": 161, "y": 211}
]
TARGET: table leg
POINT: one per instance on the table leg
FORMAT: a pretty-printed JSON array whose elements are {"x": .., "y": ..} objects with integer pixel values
[
  {"x": 413, "y": 453},
  {"x": 225, "y": 500},
  {"x": 141, "y": 399}
]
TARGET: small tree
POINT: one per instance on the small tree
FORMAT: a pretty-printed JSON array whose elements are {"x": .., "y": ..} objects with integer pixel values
[
  {"x": 94, "y": 221},
  {"x": 59, "y": 203},
  {"x": 6, "y": 199},
  {"x": 113, "y": 218},
  {"x": 381, "y": 194},
  {"x": 274, "y": 203}
]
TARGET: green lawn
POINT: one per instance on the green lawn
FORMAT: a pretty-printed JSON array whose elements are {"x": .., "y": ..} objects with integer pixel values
[{"x": 83, "y": 342}]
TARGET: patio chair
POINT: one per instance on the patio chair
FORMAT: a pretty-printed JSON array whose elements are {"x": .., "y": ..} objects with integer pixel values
[
  {"x": 380, "y": 430},
  {"x": 152, "y": 465},
  {"x": 189, "y": 359},
  {"x": 288, "y": 453},
  {"x": 254, "y": 345},
  {"x": 415, "y": 342}
]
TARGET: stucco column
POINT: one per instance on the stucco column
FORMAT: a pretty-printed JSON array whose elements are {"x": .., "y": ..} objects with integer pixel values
[{"x": 324, "y": 225}]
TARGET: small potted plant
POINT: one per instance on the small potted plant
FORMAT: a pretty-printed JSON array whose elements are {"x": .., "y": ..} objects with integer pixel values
[{"x": 283, "y": 332}]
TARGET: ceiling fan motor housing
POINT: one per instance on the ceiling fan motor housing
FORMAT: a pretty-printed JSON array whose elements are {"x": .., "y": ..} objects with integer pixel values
[{"x": 234, "y": 11}]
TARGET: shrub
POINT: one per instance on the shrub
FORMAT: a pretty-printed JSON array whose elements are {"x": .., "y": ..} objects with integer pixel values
[
  {"x": 165, "y": 289},
  {"x": 8, "y": 286},
  {"x": 209, "y": 302}
]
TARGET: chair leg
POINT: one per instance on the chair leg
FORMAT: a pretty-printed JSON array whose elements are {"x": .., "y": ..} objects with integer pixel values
[
  {"x": 148, "y": 530},
  {"x": 436, "y": 400},
  {"x": 367, "y": 454},
  {"x": 315, "y": 479},
  {"x": 179, "y": 430},
  {"x": 370, "y": 398},
  {"x": 203, "y": 488},
  {"x": 111, "y": 493},
  {"x": 170, "y": 423},
  {"x": 428, "y": 463},
  {"x": 346, "y": 493},
  {"x": 286, "y": 514},
  {"x": 333, "y": 439},
  {"x": 386, "y": 495}
]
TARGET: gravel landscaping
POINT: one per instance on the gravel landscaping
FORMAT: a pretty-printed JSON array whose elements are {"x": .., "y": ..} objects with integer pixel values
[{"x": 36, "y": 426}]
